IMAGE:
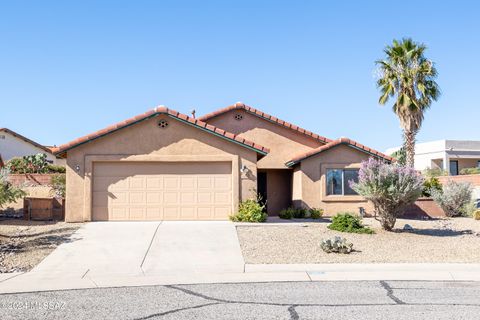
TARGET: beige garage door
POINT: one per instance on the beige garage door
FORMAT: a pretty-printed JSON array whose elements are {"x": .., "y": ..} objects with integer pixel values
[{"x": 162, "y": 191}]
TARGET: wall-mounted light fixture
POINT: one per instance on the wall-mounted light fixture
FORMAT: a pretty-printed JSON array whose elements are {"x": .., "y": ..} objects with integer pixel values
[
  {"x": 77, "y": 168},
  {"x": 244, "y": 169}
]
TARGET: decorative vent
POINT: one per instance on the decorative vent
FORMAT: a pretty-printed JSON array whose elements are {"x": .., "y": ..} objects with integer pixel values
[
  {"x": 2, "y": 137},
  {"x": 238, "y": 117},
  {"x": 163, "y": 123}
]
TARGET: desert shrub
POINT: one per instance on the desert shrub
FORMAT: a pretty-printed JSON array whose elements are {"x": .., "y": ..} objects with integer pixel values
[
  {"x": 59, "y": 184},
  {"x": 8, "y": 192},
  {"x": 36, "y": 163},
  {"x": 453, "y": 198},
  {"x": 470, "y": 171},
  {"x": 476, "y": 214},
  {"x": 250, "y": 211},
  {"x": 390, "y": 187},
  {"x": 336, "y": 244},
  {"x": 348, "y": 222},
  {"x": 433, "y": 173},
  {"x": 315, "y": 213},
  {"x": 286, "y": 213},
  {"x": 53, "y": 168},
  {"x": 16, "y": 165},
  {"x": 429, "y": 184},
  {"x": 299, "y": 213}
]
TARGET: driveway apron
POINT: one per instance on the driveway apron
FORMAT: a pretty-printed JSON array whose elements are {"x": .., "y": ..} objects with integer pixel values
[{"x": 137, "y": 248}]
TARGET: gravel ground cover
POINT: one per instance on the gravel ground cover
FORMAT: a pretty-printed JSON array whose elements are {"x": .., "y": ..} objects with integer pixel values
[
  {"x": 444, "y": 240},
  {"x": 23, "y": 244}
]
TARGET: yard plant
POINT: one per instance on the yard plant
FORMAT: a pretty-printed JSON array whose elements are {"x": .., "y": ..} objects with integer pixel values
[
  {"x": 348, "y": 222},
  {"x": 36, "y": 163},
  {"x": 390, "y": 187},
  {"x": 406, "y": 75},
  {"x": 315, "y": 213},
  {"x": 8, "y": 192},
  {"x": 453, "y": 198},
  {"x": 337, "y": 245},
  {"x": 250, "y": 210}
]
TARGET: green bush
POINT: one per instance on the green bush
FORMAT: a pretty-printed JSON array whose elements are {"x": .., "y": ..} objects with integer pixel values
[
  {"x": 433, "y": 173},
  {"x": 58, "y": 184},
  {"x": 290, "y": 212},
  {"x": 33, "y": 164},
  {"x": 348, "y": 222},
  {"x": 470, "y": 171},
  {"x": 286, "y": 213},
  {"x": 429, "y": 184},
  {"x": 299, "y": 213},
  {"x": 53, "y": 168},
  {"x": 8, "y": 192},
  {"x": 315, "y": 213},
  {"x": 250, "y": 211},
  {"x": 16, "y": 165}
]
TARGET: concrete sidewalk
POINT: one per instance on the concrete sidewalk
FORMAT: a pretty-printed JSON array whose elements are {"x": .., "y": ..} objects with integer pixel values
[{"x": 38, "y": 281}]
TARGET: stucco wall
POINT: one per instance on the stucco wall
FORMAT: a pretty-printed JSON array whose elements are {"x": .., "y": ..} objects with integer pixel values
[
  {"x": 283, "y": 143},
  {"x": 145, "y": 141},
  {"x": 11, "y": 147},
  {"x": 310, "y": 178}
]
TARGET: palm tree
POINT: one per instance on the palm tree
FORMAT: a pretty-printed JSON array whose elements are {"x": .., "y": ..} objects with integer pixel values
[{"x": 409, "y": 77}]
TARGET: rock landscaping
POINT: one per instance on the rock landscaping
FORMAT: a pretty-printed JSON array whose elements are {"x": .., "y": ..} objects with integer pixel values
[
  {"x": 23, "y": 244},
  {"x": 444, "y": 240}
]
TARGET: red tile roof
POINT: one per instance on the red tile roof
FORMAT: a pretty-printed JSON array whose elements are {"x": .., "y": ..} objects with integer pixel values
[
  {"x": 38, "y": 145},
  {"x": 263, "y": 115},
  {"x": 345, "y": 141},
  {"x": 61, "y": 150}
]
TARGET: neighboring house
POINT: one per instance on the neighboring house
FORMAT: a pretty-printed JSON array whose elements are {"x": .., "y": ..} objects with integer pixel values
[
  {"x": 164, "y": 165},
  {"x": 14, "y": 145},
  {"x": 449, "y": 155}
]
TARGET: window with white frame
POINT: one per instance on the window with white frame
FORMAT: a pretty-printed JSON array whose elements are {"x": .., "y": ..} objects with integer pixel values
[{"x": 338, "y": 181}]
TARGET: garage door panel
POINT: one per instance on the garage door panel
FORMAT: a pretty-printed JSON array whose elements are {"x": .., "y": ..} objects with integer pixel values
[
  {"x": 157, "y": 191},
  {"x": 154, "y": 198},
  {"x": 221, "y": 182},
  {"x": 222, "y": 198},
  {"x": 136, "y": 198},
  {"x": 171, "y": 183},
  {"x": 154, "y": 183},
  {"x": 204, "y": 197},
  {"x": 137, "y": 183},
  {"x": 205, "y": 182}
]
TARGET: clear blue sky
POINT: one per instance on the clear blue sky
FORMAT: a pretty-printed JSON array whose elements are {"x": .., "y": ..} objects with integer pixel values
[{"x": 68, "y": 68}]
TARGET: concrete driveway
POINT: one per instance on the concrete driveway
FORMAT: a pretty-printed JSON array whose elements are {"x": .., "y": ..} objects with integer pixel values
[{"x": 147, "y": 248}]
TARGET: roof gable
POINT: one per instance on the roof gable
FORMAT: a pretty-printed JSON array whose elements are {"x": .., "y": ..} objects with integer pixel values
[
  {"x": 266, "y": 117},
  {"x": 342, "y": 141},
  {"x": 62, "y": 150},
  {"x": 19, "y": 136}
]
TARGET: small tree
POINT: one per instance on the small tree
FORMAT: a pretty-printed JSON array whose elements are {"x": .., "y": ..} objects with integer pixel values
[
  {"x": 453, "y": 198},
  {"x": 390, "y": 187},
  {"x": 8, "y": 192}
]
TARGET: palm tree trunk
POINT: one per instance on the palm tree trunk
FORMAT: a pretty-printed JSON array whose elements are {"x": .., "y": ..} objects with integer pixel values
[{"x": 410, "y": 148}]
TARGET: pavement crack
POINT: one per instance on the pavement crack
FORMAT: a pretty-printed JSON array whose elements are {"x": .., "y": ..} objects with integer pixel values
[
  {"x": 293, "y": 313},
  {"x": 161, "y": 314},
  {"x": 390, "y": 294},
  {"x": 196, "y": 294},
  {"x": 149, "y": 246}
]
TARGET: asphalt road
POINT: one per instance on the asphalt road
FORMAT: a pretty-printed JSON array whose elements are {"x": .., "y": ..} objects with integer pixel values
[{"x": 292, "y": 300}]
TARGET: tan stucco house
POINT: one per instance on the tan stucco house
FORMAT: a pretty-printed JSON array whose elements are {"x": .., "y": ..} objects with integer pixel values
[{"x": 164, "y": 165}]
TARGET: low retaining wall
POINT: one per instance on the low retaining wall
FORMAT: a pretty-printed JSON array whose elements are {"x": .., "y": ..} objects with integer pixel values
[
  {"x": 424, "y": 208},
  {"x": 30, "y": 179},
  {"x": 474, "y": 179}
]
